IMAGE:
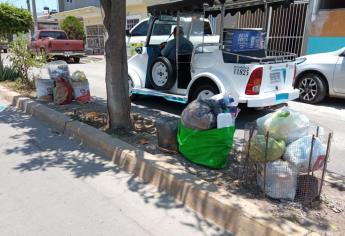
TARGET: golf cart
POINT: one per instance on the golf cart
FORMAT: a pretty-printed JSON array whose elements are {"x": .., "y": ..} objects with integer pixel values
[{"x": 238, "y": 64}]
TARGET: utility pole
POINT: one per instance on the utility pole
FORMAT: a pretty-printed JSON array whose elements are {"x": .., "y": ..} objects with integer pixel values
[{"x": 34, "y": 14}]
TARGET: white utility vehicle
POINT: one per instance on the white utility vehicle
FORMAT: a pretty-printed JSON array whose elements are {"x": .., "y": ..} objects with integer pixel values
[
  {"x": 199, "y": 31},
  {"x": 238, "y": 64}
]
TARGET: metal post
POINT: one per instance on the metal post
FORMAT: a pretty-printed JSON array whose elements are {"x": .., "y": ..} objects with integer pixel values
[
  {"x": 309, "y": 169},
  {"x": 325, "y": 162},
  {"x": 34, "y": 14},
  {"x": 177, "y": 41},
  {"x": 222, "y": 11},
  {"x": 266, "y": 152},
  {"x": 311, "y": 10}
]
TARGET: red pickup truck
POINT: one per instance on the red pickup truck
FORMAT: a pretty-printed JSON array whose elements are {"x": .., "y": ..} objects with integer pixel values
[{"x": 56, "y": 44}]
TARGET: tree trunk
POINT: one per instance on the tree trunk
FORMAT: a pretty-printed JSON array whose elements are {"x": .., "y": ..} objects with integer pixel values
[{"x": 116, "y": 76}]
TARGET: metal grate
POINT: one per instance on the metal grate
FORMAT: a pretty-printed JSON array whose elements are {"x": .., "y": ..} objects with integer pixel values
[{"x": 285, "y": 27}]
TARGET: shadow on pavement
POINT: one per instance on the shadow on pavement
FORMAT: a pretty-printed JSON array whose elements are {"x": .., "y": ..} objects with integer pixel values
[{"x": 46, "y": 148}]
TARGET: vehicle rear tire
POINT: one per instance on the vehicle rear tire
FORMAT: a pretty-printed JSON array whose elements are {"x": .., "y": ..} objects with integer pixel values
[
  {"x": 205, "y": 90},
  {"x": 76, "y": 59},
  {"x": 312, "y": 88},
  {"x": 162, "y": 74}
]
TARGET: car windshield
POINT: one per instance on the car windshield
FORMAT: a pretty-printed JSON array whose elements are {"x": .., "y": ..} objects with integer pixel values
[{"x": 53, "y": 34}]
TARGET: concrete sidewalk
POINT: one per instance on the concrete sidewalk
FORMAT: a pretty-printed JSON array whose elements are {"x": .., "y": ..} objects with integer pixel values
[{"x": 53, "y": 185}]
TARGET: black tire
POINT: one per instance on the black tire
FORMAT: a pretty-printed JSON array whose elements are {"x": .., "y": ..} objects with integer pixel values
[
  {"x": 203, "y": 87},
  {"x": 313, "y": 88},
  {"x": 5, "y": 50},
  {"x": 76, "y": 59},
  {"x": 166, "y": 77}
]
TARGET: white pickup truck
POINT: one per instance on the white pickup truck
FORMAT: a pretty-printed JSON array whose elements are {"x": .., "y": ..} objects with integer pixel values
[{"x": 136, "y": 37}]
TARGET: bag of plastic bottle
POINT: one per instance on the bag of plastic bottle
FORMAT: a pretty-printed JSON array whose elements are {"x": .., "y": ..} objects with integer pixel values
[
  {"x": 198, "y": 115},
  {"x": 281, "y": 180},
  {"x": 287, "y": 124},
  {"x": 257, "y": 151},
  {"x": 298, "y": 154}
]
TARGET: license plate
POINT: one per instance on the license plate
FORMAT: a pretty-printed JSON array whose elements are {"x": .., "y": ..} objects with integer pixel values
[{"x": 275, "y": 77}]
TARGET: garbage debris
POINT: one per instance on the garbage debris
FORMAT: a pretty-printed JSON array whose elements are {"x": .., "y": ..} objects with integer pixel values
[
  {"x": 199, "y": 139},
  {"x": 261, "y": 152},
  {"x": 166, "y": 134},
  {"x": 62, "y": 92},
  {"x": 60, "y": 86},
  {"x": 298, "y": 153},
  {"x": 44, "y": 89},
  {"x": 285, "y": 124},
  {"x": 280, "y": 180},
  {"x": 286, "y": 150}
]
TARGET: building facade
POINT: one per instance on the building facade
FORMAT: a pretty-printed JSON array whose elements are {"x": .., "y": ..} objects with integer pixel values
[
  {"x": 326, "y": 31},
  {"x": 90, "y": 13}
]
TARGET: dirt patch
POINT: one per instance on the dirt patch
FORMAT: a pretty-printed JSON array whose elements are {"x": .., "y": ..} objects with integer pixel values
[
  {"x": 325, "y": 216},
  {"x": 12, "y": 85}
]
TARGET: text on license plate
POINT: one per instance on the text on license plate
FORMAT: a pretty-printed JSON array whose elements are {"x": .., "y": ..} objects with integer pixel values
[{"x": 275, "y": 77}]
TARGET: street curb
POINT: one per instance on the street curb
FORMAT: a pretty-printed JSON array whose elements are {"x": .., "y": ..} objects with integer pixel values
[{"x": 231, "y": 212}]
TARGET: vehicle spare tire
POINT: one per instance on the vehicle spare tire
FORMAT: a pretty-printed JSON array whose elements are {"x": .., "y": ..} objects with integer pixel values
[{"x": 162, "y": 74}]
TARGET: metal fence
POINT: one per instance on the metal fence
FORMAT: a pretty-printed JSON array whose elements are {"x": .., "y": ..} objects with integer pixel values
[{"x": 285, "y": 26}]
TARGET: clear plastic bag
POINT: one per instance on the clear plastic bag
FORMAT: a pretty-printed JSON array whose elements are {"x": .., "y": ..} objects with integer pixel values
[
  {"x": 281, "y": 180},
  {"x": 287, "y": 124},
  {"x": 78, "y": 76},
  {"x": 257, "y": 151},
  {"x": 298, "y": 154}
]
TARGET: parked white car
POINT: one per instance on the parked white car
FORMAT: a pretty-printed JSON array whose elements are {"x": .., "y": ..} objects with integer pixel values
[
  {"x": 321, "y": 75},
  {"x": 257, "y": 78},
  {"x": 136, "y": 37}
]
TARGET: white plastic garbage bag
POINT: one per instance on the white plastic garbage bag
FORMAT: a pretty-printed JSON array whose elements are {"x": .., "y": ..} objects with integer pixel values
[
  {"x": 287, "y": 124},
  {"x": 298, "y": 154},
  {"x": 281, "y": 180}
]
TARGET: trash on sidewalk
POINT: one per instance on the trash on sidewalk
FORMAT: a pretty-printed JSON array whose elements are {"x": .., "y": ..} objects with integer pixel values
[
  {"x": 199, "y": 139},
  {"x": 166, "y": 134},
  {"x": 57, "y": 85},
  {"x": 286, "y": 156}
]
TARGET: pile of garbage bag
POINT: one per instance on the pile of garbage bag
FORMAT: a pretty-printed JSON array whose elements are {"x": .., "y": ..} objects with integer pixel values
[
  {"x": 283, "y": 143},
  {"x": 56, "y": 84},
  {"x": 206, "y": 130}
]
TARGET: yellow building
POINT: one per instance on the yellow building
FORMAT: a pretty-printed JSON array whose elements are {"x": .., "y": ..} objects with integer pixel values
[{"x": 93, "y": 21}]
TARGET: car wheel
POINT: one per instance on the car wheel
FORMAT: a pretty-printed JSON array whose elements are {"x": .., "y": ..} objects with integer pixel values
[
  {"x": 204, "y": 91},
  {"x": 162, "y": 74},
  {"x": 312, "y": 88}
]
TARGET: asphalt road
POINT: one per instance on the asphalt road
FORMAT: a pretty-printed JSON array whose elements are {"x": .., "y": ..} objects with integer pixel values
[
  {"x": 53, "y": 185},
  {"x": 330, "y": 114}
]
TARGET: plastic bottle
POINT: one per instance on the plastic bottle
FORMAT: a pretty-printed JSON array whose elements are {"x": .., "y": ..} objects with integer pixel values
[{"x": 224, "y": 120}]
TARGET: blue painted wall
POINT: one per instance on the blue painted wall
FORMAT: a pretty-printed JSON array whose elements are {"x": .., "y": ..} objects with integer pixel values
[{"x": 317, "y": 44}]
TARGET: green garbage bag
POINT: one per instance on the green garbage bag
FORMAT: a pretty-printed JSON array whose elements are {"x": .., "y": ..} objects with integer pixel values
[
  {"x": 257, "y": 151},
  {"x": 209, "y": 148}
]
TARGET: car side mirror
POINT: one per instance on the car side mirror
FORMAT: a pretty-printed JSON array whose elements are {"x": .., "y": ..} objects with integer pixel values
[
  {"x": 139, "y": 50},
  {"x": 128, "y": 33}
]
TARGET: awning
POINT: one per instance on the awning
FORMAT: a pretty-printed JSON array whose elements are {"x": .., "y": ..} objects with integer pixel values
[{"x": 231, "y": 6}]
